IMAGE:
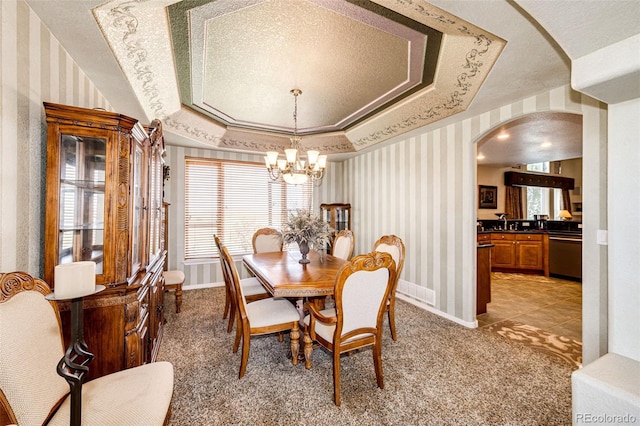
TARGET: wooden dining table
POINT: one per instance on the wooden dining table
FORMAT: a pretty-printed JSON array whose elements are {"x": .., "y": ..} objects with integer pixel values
[{"x": 283, "y": 276}]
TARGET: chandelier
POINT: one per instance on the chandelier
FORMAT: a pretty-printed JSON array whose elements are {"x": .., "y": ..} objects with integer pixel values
[{"x": 293, "y": 169}]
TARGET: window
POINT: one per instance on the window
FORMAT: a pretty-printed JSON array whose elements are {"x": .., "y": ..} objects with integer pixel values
[
  {"x": 232, "y": 200},
  {"x": 542, "y": 200}
]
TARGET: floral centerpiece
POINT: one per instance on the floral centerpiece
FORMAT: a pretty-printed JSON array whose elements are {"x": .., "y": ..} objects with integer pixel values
[{"x": 307, "y": 231}]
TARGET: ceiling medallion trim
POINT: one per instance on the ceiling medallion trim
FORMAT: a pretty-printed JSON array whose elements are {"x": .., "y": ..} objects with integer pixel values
[
  {"x": 122, "y": 20},
  {"x": 472, "y": 62},
  {"x": 194, "y": 132},
  {"x": 217, "y": 141},
  {"x": 471, "y": 73}
]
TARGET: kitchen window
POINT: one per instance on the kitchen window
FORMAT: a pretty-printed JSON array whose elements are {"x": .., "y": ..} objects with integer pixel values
[
  {"x": 232, "y": 199},
  {"x": 541, "y": 200}
]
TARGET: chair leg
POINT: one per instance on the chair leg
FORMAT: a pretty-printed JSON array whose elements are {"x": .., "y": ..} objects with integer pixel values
[
  {"x": 295, "y": 343},
  {"x": 178, "y": 298},
  {"x": 232, "y": 317},
  {"x": 236, "y": 343},
  {"x": 377, "y": 361},
  {"x": 227, "y": 302},
  {"x": 392, "y": 319},
  {"x": 336, "y": 377},
  {"x": 246, "y": 340}
]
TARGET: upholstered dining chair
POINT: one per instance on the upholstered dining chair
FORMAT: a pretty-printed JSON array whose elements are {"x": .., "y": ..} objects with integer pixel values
[
  {"x": 343, "y": 244},
  {"x": 263, "y": 316},
  {"x": 361, "y": 291},
  {"x": 393, "y": 245},
  {"x": 266, "y": 240},
  {"x": 32, "y": 392},
  {"x": 251, "y": 287}
]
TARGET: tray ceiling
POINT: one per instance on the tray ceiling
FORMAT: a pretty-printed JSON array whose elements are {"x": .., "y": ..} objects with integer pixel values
[{"x": 395, "y": 66}]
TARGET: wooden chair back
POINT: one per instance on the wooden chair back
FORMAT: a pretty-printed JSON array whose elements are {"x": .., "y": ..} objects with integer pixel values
[
  {"x": 343, "y": 244},
  {"x": 267, "y": 240},
  {"x": 238, "y": 297},
  {"x": 393, "y": 245},
  {"x": 361, "y": 291}
]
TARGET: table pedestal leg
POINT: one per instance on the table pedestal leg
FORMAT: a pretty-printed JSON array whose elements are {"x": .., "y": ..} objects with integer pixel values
[{"x": 308, "y": 349}]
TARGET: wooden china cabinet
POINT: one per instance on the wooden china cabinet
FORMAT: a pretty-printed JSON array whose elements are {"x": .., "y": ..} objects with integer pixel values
[
  {"x": 338, "y": 216},
  {"x": 104, "y": 203}
]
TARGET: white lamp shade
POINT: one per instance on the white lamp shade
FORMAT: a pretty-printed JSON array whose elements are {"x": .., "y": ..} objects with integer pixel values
[
  {"x": 272, "y": 157},
  {"x": 282, "y": 164},
  {"x": 291, "y": 154},
  {"x": 76, "y": 279},
  {"x": 322, "y": 161},
  {"x": 312, "y": 156},
  {"x": 295, "y": 178}
]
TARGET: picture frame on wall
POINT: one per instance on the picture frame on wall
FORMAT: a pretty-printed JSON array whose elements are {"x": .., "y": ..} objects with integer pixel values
[{"x": 487, "y": 197}]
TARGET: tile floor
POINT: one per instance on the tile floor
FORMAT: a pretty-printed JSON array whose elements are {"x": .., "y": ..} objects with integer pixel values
[{"x": 551, "y": 304}]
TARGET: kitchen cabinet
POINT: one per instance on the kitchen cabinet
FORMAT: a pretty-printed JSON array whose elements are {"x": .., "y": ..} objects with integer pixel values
[
  {"x": 520, "y": 252},
  {"x": 104, "y": 200},
  {"x": 503, "y": 254},
  {"x": 483, "y": 277}
]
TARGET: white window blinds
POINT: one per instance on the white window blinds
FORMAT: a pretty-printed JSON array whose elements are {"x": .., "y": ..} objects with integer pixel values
[{"x": 232, "y": 200}]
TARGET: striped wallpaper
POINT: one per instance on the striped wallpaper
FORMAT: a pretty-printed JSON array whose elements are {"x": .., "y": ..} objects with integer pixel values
[
  {"x": 420, "y": 186},
  {"x": 35, "y": 69}
]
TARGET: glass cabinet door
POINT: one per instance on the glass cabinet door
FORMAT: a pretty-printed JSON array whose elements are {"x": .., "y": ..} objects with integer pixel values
[
  {"x": 138, "y": 205},
  {"x": 82, "y": 198},
  {"x": 155, "y": 203}
]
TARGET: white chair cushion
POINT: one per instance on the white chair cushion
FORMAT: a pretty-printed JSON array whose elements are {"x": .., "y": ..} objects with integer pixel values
[
  {"x": 173, "y": 277},
  {"x": 136, "y": 396},
  {"x": 268, "y": 243},
  {"x": 266, "y": 312},
  {"x": 342, "y": 247},
  {"x": 30, "y": 348},
  {"x": 361, "y": 298},
  {"x": 324, "y": 330},
  {"x": 251, "y": 286},
  {"x": 392, "y": 250}
]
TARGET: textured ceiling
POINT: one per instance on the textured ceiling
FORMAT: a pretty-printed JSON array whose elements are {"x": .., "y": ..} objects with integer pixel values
[
  {"x": 368, "y": 71},
  {"x": 534, "y": 138},
  {"x": 132, "y": 59},
  {"x": 252, "y": 56}
]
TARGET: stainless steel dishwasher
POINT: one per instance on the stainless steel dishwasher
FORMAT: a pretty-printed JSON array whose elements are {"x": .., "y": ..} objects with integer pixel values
[{"x": 565, "y": 254}]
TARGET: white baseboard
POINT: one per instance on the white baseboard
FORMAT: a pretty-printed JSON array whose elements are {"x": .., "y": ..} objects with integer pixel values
[
  {"x": 207, "y": 285},
  {"x": 425, "y": 298},
  {"x": 422, "y": 294}
]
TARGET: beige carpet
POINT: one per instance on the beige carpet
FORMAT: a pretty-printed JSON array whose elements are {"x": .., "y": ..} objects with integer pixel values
[{"x": 438, "y": 373}]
